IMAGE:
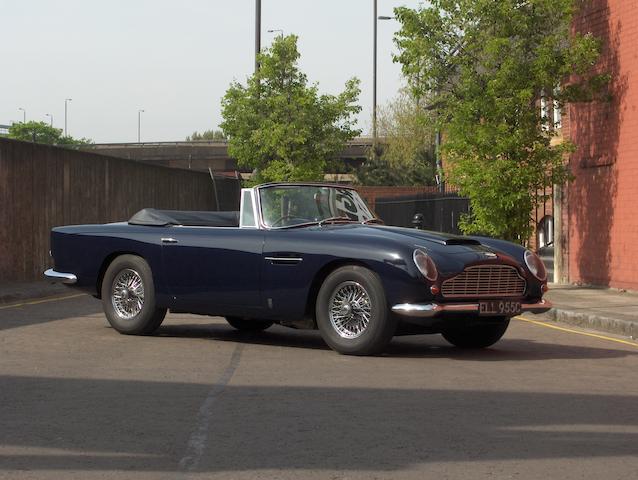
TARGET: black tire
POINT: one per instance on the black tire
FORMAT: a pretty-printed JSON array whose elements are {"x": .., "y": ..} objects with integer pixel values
[
  {"x": 477, "y": 336},
  {"x": 351, "y": 338},
  {"x": 247, "y": 324},
  {"x": 149, "y": 317}
]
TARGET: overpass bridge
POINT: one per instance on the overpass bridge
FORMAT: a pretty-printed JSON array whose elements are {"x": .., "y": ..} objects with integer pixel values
[{"x": 205, "y": 155}]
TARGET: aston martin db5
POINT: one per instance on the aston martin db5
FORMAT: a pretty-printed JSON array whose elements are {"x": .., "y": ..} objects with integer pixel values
[{"x": 303, "y": 256}]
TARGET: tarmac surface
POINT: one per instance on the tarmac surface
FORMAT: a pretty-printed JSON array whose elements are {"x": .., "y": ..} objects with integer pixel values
[{"x": 200, "y": 400}]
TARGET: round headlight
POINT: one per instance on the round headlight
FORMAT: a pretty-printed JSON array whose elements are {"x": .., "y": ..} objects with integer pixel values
[
  {"x": 425, "y": 265},
  {"x": 535, "y": 265}
]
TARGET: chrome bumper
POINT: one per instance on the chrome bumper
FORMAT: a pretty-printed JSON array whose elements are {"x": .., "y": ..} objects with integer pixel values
[
  {"x": 67, "y": 278},
  {"x": 428, "y": 310}
]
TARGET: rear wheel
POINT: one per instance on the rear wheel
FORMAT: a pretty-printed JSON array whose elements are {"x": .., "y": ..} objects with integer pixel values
[
  {"x": 352, "y": 312},
  {"x": 247, "y": 324},
  {"x": 477, "y": 336},
  {"x": 128, "y": 296}
]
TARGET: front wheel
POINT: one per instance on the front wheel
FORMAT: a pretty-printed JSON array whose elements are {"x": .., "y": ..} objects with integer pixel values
[
  {"x": 352, "y": 312},
  {"x": 128, "y": 296},
  {"x": 477, "y": 336}
]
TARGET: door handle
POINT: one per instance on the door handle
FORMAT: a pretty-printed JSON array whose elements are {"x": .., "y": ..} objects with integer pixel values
[{"x": 169, "y": 240}]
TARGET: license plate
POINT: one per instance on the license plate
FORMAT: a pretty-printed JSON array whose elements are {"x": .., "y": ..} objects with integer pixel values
[{"x": 499, "y": 307}]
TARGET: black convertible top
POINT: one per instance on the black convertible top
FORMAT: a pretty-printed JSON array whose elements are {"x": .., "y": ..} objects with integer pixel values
[{"x": 163, "y": 218}]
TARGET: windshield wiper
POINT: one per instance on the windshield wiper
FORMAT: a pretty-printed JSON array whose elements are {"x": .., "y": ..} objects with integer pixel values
[
  {"x": 373, "y": 220},
  {"x": 335, "y": 219}
]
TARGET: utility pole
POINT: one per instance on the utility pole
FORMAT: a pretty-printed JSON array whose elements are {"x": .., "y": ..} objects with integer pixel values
[{"x": 257, "y": 33}]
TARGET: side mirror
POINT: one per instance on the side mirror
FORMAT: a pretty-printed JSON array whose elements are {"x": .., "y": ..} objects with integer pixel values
[{"x": 417, "y": 221}]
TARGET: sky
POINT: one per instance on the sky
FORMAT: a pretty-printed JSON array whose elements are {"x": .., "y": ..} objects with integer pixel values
[{"x": 175, "y": 59}]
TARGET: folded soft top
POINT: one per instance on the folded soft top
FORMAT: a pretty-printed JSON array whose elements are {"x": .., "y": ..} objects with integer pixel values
[{"x": 163, "y": 218}]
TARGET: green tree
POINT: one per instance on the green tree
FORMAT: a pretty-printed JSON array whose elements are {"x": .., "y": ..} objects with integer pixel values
[
  {"x": 282, "y": 127},
  {"x": 407, "y": 138},
  {"x": 41, "y": 132},
  {"x": 484, "y": 65},
  {"x": 211, "y": 135}
]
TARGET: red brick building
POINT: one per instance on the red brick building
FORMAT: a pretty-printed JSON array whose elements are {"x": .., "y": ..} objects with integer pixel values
[{"x": 597, "y": 213}]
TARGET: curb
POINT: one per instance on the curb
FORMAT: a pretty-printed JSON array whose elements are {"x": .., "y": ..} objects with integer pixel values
[{"x": 626, "y": 328}]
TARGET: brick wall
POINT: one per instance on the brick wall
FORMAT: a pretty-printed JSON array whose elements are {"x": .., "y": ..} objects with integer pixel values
[{"x": 602, "y": 229}]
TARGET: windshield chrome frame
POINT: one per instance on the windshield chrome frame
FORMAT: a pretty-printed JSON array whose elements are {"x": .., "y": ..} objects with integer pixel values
[{"x": 257, "y": 197}]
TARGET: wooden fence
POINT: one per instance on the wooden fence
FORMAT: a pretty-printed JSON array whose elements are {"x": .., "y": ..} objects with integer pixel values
[{"x": 43, "y": 186}]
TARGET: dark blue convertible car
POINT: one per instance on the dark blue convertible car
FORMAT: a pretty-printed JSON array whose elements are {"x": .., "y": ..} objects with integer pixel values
[{"x": 303, "y": 256}]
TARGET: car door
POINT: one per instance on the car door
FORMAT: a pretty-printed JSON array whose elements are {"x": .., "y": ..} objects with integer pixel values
[
  {"x": 291, "y": 259},
  {"x": 215, "y": 270}
]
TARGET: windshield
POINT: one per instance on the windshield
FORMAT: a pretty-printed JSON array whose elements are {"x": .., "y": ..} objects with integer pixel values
[{"x": 286, "y": 206}]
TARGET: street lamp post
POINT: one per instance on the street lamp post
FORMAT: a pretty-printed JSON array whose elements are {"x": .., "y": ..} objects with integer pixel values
[
  {"x": 139, "y": 124},
  {"x": 281, "y": 32},
  {"x": 374, "y": 77},
  {"x": 257, "y": 33},
  {"x": 66, "y": 101},
  {"x": 24, "y": 114},
  {"x": 50, "y": 118},
  {"x": 374, "y": 81}
]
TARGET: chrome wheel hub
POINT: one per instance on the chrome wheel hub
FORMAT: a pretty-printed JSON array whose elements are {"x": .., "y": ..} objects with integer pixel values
[
  {"x": 350, "y": 309},
  {"x": 127, "y": 294}
]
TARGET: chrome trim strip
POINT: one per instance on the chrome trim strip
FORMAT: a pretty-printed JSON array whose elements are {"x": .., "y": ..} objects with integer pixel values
[
  {"x": 429, "y": 310},
  {"x": 168, "y": 240},
  {"x": 284, "y": 259},
  {"x": 67, "y": 278}
]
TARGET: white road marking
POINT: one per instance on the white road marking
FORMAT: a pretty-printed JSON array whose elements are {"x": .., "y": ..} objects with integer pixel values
[{"x": 199, "y": 437}]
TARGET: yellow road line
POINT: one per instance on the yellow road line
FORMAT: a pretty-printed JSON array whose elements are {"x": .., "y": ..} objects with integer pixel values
[
  {"x": 44, "y": 300},
  {"x": 569, "y": 330}
]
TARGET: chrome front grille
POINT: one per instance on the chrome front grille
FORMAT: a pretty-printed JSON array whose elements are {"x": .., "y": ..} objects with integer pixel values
[{"x": 485, "y": 281}]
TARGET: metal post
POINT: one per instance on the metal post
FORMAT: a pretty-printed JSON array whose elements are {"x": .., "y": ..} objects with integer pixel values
[
  {"x": 66, "y": 100},
  {"x": 24, "y": 114},
  {"x": 437, "y": 157},
  {"x": 257, "y": 33},
  {"x": 374, "y": 82},
  {"x": 139, "y": 125},
  {"x": 50, "y": 117}
]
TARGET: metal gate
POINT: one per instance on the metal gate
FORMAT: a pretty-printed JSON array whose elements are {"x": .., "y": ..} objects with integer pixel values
[{"x": 441, "y": 211}]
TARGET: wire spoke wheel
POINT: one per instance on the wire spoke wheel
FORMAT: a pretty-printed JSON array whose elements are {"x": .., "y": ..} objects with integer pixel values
[
  {"x": 350, "y": 309},
  {"x": 127, "y": 294}
]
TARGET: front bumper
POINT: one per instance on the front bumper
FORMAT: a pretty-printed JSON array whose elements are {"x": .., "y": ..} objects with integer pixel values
[
  {"x": 67, "y": 278},
  {"x": 429, "y": 310}
]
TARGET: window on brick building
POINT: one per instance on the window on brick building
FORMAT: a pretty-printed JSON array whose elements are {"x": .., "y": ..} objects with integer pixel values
[
  {"x": 544, "y": 112},
  {"x": 556, "y": 113},
  {"x": 550, "y": 112}
]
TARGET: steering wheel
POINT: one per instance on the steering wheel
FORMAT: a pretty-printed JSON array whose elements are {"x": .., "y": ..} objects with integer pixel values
[{"x": 287, "y": 217}]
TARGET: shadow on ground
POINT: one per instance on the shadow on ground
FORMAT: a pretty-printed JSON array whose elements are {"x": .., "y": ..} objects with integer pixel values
[
  {"x": 38, "y": 313},
  {"x": 97, "y": 424},
  {"x": 418, "y": 346}
]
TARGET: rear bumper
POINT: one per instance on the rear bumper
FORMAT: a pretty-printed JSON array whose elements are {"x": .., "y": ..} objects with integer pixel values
[
  {"x": 429, "y": 310},
  {"x": 67, "y": 278}
]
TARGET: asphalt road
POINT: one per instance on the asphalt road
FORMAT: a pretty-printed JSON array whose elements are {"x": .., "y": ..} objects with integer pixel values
[{"x": 199, "y": 400}]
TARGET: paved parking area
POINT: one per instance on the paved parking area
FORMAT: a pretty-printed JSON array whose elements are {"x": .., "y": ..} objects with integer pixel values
[{"x": 80, "y": 401}]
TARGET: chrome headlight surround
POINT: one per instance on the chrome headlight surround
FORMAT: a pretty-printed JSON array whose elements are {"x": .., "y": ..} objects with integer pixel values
[
  {"x": 425, "y": 265},
  {"x": 535, "y": 265}
]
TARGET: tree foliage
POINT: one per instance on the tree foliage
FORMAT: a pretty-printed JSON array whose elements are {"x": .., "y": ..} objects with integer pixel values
[
  {"x": 211, "y": 135},
  {"x": 406, "y": 133},
  {"x": 41, "y": 132},
  {"x": 282, "y": 127},
  {"x": 484, "y": 65}
]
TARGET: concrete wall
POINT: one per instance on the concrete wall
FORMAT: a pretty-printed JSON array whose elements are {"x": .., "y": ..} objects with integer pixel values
[
  {"x": 600, "y": 205},
  {"x": 43, "y": 186}
]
